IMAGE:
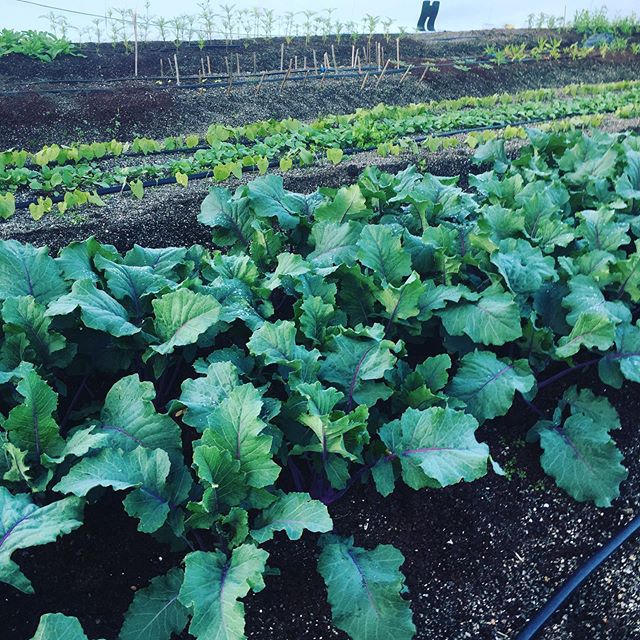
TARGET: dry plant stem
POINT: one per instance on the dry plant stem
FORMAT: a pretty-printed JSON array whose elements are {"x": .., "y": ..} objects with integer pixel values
[
  {"x": 175, "y": 62},
  {"x": 259, "y": 87},
  {"x": 135, "y": 43},
  {"x": 386, "y": 66},
  {"x": 406, "y": 73}
]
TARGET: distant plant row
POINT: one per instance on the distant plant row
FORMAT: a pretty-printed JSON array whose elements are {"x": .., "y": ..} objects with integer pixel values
[
  {"x": 35, "y": 44},
  {"x": 587, "y": 22}
]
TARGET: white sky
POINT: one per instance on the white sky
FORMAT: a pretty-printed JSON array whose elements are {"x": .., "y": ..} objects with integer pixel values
[{"x": 454, "y": 14}]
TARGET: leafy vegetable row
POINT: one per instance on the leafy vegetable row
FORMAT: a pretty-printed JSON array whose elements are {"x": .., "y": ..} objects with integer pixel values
[
  {"x": 302, "y": 144},
  {"x": 40, "y": 45},
  {"x": 258, "y": 131},
  {"x": 354, "y": 332}
]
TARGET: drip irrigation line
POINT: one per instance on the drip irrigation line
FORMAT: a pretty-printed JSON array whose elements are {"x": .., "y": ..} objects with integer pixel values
[
  {"x": 217, "y": 85},
  {"x": 350, "y": 151},
  {"x": 576, "y": 580},
  {"x": 218, "y": 76}
]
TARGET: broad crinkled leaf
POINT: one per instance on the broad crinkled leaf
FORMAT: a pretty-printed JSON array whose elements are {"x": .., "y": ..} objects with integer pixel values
[
  {"x": 213, "y": 586},
  {"x": 436, "y": 447},
  {"x": 235, "y": 426},
  {"x": 156, "y": 613},
  {"x": 380, "y": 249},
  {"x": 348, "y": 204},
  {"x": 402, "y": 303},
  {"x": 292, "y": 513},
  {"x": 583, "y": 460},
  {"x": 493, "y": 320},
  {"x": 97, "y": 308},
  {"x": 230, "y": 218},
  {"x": 365, "y": 590},
  {"x": 356, "y": 363},
  {"x": 201, "y": 395},
  {"x": 130, "y": 418},
  {"x": 334, "y": 243},
  {"x": 31, "y": 425},
  {"x": 164, "y": 261},
  {"x": 488, "y": 385},
  {"x": 270, "y": 200},
  {"x": 586, "y": 297},
  {"x": 182, "y": 317},
  {"x": 601, "y": 231},
  {"x": 222, "y": 473},
  {"x": 24, "y": 524},
  {"x": 57, "y": 626},
  {"x": 28, "y": 271},
  {"x": 276, "y": 343},
  {"x": 592, "y": 330},
  {"x": 522, "y": 266},
  {"x": 24, "y": 316}
]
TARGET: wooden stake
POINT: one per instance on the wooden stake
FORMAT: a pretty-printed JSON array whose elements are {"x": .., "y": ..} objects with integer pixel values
[
  {"x": 397, "y": 53},
  {"x": 161, "y": 68},
  {"x": 364, "y": 82},
  {"x": 255, "y": 63},
  {"x": 175, "y": 62},
  {"x": 353, "y": 56},
  {"x": 305, "y": 63},
  {"x": 209, "y": 64},
  {"x": 386, "y": 66},
  {"x": 171, "y": 71},
  {"x": 204, "y": 73},
  {"x": 282, "y": 57},
  {"x": 286, "y": 77},
  {"x": 238, "y": 62},
  {"x": 378, "y": 55},
  {"x": 406, "y": 73},
  {"x": 135, "y": 45},
  {"x": 295, "y": 63},
  {"x": 226, "y": 64},
  {"x": 424, "y": 73},
  {"x": 333, "y": 53},
  {"x": 264, "y": 73},
  {"x": 315, "y": 62}
]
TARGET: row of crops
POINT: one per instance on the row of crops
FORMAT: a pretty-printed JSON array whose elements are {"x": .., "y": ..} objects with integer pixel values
[
  {"x": 73, "y": 175},
  {"x": 359, "y": 333}
]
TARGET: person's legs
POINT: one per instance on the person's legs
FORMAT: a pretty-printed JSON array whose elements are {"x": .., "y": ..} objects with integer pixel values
[
  {"x": 435, "y": 8},
  {"x": 424, "y": 15}
]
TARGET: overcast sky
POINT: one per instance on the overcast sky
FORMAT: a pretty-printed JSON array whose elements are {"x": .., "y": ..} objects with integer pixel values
[{"x": 454, "y": 14}]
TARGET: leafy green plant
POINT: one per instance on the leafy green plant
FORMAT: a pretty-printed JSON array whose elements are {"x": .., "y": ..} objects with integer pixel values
[
  {"x": 35, "y": 44},
  {"x": 353, "y": 333}
]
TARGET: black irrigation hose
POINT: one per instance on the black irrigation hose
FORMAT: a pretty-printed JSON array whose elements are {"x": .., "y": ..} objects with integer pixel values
[
  {"x": 217, "y": 85},
  {"x": 576, "y": 580},
  {"x": 350, "y": 151}
]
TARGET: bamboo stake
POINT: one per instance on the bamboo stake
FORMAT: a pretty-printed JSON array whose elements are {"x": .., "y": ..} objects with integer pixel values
[
  {"x": 386, "y": 66},
  {"x": 381, "y": 54},
  {"x": 333, "y": 53},
  {"x": 295, "y": 63},
  {"x": 161, "y": 68},
  {"x": 282, "y": 57},
  {"x": 378, "y": 55},
  {"x": 305, "y": 63},
  {"x": 175, "y": 62},
  {"x": 135, "y": 37},
  {"x": 264, "y": 73},
  {"x": 364, "y": 82},
  {"x": 353, "y": 56},
  {"x": 315, "y": 62},
  {"x": 238, "y": 62},
  {"x": 406, "y": 73},
  {"x": 209, "y": 65},
  {"x": 286, "y": 77},
  {"x": 397, "y": 53}
]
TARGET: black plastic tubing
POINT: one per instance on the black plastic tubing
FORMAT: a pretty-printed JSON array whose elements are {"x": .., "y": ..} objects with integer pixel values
[{"x": 574, "y": 582}]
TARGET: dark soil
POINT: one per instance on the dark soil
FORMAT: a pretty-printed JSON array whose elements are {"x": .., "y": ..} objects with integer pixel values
[
  {"x": 481, "y": 558},
  {"x": 104, "y": 61},
  {"x": 31, "y": 119}
]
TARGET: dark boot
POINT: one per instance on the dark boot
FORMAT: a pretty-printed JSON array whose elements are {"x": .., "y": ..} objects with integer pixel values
[{"x": 435, "y": 8}]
